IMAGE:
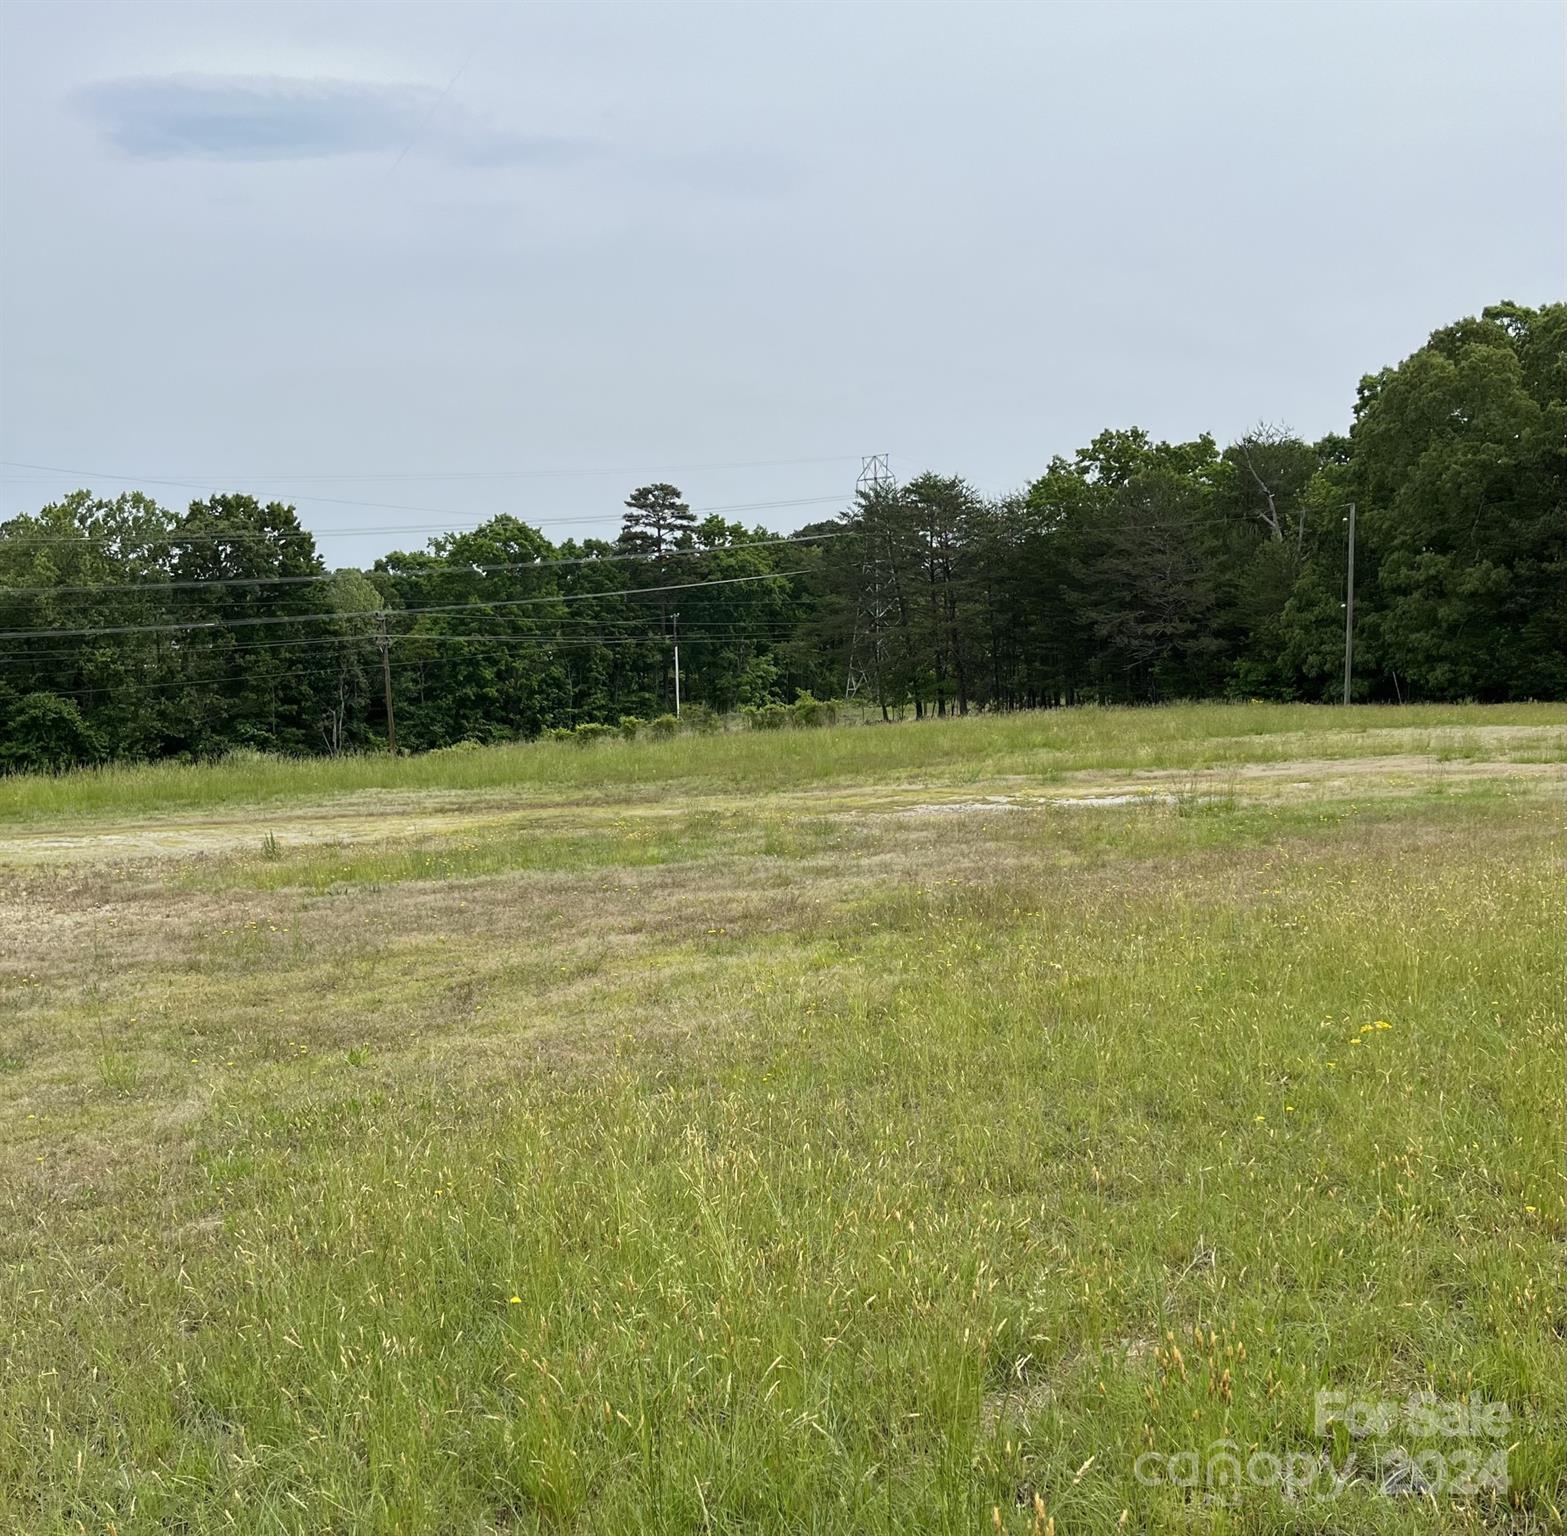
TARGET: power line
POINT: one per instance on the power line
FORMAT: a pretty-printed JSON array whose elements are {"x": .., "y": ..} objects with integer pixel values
[
  {"x": 545, "y": 642},
  {"x": 156, "y": 584},
  {"x": 305, "y": 618},
  {"x": 393, "y": 528},
  {"x": 717, "y": 629},
  {"x": 720, "y": 635}
]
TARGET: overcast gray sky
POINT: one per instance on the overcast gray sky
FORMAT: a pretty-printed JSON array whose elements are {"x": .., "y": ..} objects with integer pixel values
[{"x": 482, "y": 258}]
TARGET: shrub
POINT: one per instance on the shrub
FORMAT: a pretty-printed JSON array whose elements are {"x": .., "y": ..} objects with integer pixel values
[
  {"x": 663, "y": 726},
  {"x": 590, "y": 731},
  {"x": 808, "y": 710},
  {"x": 700, "y": 719},
  {"x": 630, "y": 725},
  {"x": 767, "y": 717},
  {"x": 558, "y": 733},
  {"x": 45, "y": 734}
]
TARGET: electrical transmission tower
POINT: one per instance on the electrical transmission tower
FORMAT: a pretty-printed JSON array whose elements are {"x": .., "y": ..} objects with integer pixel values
[
  {"x": 874, "y": 475},
  {"x": 873, "y": 482}
]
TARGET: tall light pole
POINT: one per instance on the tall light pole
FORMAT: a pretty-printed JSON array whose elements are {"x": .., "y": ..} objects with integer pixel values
[{"x": 1349, "y": 607}]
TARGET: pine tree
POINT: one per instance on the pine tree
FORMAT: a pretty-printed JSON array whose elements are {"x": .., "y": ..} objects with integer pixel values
[{"x": 657, "y": 521}]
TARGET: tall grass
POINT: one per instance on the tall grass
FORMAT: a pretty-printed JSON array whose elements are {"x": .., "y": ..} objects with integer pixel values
[{"x": 1039, "y": 743}]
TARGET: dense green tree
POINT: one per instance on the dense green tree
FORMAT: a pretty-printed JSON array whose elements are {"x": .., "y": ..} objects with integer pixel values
[
  {"x": 1119, "y": 548},
  {"x": 246, "y": 594},
  {"x": 1459, "y": 465},
  {"x": 93, "y": 574},
  {"x": 476, "y": 618},
  {"x": 742, "y": 615}
]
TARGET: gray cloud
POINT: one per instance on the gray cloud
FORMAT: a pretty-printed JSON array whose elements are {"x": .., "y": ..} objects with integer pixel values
[{"x": 254, "y": 118}]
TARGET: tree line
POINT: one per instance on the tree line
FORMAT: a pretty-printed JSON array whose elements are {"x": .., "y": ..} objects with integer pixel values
[{"x": 1134, "y": 571}]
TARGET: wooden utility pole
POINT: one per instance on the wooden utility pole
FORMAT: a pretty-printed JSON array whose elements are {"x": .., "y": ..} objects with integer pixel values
[
  {"x": 675, "y": 618},
  {"x": 384, "y": 643}
]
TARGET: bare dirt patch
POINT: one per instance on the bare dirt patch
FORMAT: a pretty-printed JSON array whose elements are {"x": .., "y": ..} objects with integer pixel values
[{"x": 1295, "y": 779}]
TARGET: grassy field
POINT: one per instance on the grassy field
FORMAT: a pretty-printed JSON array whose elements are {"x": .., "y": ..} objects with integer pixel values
[
  {"x": 927, "y": 1128},
  {"x": 1040, "y": 746}
]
